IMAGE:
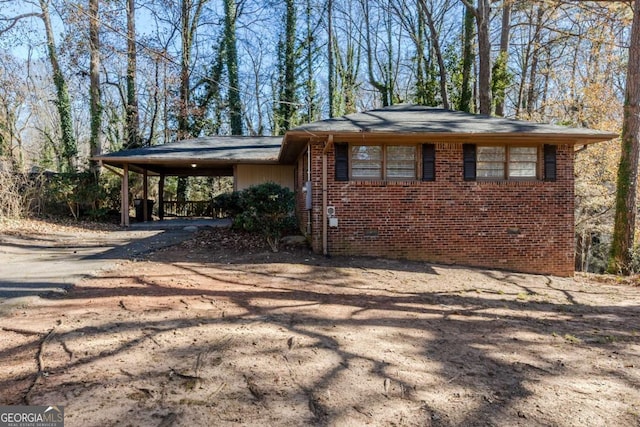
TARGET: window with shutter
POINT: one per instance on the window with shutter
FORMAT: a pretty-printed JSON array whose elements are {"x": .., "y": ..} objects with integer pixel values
[
  {"x": 499, "y": 162},
  {"x": 400, "y": 162},
  {"x": 366, "y": 161},
  {"x": 523, "y": 162}
]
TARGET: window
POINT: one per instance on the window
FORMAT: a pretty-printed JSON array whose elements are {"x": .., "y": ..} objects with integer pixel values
[
  {"x": 401, "y": 162},
  {"x": 390, "y": 162},
  {"x": 500, "y": 162},
  {"x": 490, "y": 162},
  {"x": 366, "y": 162},
  {"x": 523, "y": 162}
]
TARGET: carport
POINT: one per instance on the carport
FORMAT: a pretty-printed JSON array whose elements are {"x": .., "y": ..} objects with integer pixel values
[{"x": 249, "y": 160}]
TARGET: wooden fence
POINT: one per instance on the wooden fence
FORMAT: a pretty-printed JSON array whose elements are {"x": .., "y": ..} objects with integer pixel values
[{"x": 189, "y": 208}]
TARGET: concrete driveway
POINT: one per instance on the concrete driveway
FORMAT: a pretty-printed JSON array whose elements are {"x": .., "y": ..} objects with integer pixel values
[{"x": 53, "y": 263}]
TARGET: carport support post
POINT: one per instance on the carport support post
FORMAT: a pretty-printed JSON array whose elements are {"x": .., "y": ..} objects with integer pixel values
[
  {"x": 161, "y": 197},
  {"x": 145, "y": 195},
  {"x": 124, "y": 208}
]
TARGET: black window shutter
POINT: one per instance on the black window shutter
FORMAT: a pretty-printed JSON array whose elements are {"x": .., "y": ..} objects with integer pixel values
[
  {"x": 550, "y": 162},
  {"x": 342, "y": 161},
  {"x": 428, "y": 162},
  {"x": 469, "y": 156}
]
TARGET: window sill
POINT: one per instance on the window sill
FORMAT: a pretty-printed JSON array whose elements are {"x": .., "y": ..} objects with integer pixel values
[
  {"x": 385, "y": 183},
  {"x": 510, "y": 182}
]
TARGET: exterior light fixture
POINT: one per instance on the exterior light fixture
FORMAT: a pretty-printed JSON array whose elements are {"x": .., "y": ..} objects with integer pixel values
[{"x": 193, "y": 165}]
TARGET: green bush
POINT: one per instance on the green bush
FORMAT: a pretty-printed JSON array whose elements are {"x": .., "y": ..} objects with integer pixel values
[{"x": 265, "y": 208}]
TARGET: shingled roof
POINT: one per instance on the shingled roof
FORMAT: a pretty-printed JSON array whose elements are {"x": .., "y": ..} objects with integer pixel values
[
  {"x": 423, "y": 123},
  {"x": 406, "y": 118},
  {"x": 205, "y": 152},
  {"x": 417, "y": 124}
]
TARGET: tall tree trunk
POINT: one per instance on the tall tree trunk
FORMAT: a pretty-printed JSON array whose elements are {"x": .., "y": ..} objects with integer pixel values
[
  {"x": 235, "y": 105},
  {"x": 482, "y": 14},
  {"x": 184, "y": 130},
  {"x": 288, "y": 99},
  {"x": 95, "y": 142},
  {"x": 535, "y": 57},
  {"x": 133, "y": 121},
  {"x": 466, "y": 92},
  {"x": 422, "y": 91},
  {"x": 385, "y": 91},
  {"x": 332, "y": 74},
  {"x": 188, "y": 25},
  {"x": 435, "y": 42},
  {"x": 505, "y": 31},
  {"x": 312, "y": 113},
  {"x": 627, "y": 184},
  {"x": 69, "y": 149}
]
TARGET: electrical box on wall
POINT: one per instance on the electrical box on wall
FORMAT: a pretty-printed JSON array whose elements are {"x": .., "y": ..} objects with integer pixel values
[
  {"x": 333, "y": 222},
  {"x": 307, "y": 198}
]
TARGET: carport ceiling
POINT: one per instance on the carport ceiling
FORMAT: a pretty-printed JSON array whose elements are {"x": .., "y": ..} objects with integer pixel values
[{"x": 206, "y": 156}]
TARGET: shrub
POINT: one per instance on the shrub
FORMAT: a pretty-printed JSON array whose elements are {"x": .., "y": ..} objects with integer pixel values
[
  {"x": 16, "y": 193},
  {"x": 265, "y": 208}
]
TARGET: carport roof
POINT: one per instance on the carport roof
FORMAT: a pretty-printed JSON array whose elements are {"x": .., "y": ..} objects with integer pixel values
[{"x": 213, "y": 155}]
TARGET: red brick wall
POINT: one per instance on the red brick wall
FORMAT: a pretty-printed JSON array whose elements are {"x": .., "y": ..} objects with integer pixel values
[{"x": 522, "y": 226}]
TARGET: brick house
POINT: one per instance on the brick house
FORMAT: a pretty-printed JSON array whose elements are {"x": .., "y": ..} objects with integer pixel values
[
  {"x": 435, "y": 185},
  {"x": 404, "y": 181}
]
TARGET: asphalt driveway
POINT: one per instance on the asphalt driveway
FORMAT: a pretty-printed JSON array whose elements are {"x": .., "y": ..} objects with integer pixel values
[{"x": 31, "y": 266}]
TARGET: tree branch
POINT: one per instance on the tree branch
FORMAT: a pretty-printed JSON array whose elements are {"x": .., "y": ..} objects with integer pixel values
[
  {"x": 16, "y": 19},
  {"x": 471, "y": 8}
]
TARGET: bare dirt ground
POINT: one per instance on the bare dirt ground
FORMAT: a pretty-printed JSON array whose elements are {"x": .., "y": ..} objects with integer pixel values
[{"x": 219, "y": 331}]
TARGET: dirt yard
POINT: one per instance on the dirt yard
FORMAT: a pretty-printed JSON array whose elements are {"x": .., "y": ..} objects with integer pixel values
[{"x": 219, "y": 331}]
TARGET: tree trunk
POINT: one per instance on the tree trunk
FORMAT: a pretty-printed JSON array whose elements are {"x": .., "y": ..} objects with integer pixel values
[
  {"x": 332, "y": 82},
  {"x": 484, "y": 54},
  {"x": 504, "y": 53},
  {"x": 69, "y": 149},
  {"x": 435, "y": 42},
  {"x": 133, "y": 121},
  {"x": 312, "y": 113},
  {"x": 385, "y": 92},
  {"x": 287, "y": 98},
  {"x": 235, "y": 105},
  {"x": 466, "y": 93},
  {"x": 482, "y": 14},
  {"x": 185, "y": 67},
  {"x": 94, "y": 90},
  {"x": 627, "y": 184},
  {"x": 535, "y": 57}
]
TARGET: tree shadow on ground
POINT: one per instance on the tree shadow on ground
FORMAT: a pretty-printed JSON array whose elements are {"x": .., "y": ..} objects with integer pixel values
[{"x": 411, "y": 349}]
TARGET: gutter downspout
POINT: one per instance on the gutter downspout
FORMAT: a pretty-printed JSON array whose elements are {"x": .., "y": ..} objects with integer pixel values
[
  {"x": 325, "y": 237},
  {"x": 309, "y": 231}
]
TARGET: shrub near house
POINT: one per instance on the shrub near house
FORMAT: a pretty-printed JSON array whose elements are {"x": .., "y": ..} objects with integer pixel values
[{"x": 265, "y": 208}]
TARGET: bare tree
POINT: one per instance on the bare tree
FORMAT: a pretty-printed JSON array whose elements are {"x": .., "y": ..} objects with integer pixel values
[
  {"x": 95, "y": 141},
  {"x": 235, "y": 103},
  {"x": 69, "y": 148},
  {"x": 627, "y": 183},
  {"x": 133, "y": 118},
  {"x": 482, "y": 15}
]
